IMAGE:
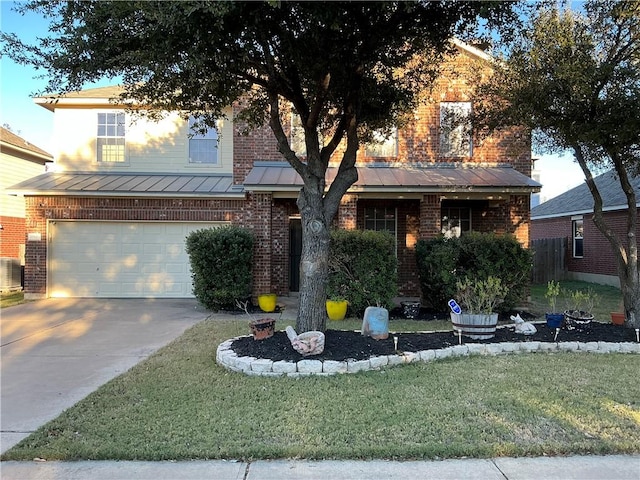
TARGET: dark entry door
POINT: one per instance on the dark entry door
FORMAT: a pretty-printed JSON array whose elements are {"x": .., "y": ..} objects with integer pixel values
[{"x": 295, "y": 252}]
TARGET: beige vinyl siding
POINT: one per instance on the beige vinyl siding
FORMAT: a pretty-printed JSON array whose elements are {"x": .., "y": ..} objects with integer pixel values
[
  {"x": 14, "y": 170},
  {"x": 151, "y": 147}
]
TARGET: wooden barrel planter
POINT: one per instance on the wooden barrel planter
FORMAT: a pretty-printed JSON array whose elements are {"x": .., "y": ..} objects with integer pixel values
[
  {"x": 577, "y": 319},
  {"x": 478, "y": 326}
]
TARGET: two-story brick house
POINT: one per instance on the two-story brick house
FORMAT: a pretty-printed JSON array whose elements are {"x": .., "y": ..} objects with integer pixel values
[{"x": 111, "y": 221}]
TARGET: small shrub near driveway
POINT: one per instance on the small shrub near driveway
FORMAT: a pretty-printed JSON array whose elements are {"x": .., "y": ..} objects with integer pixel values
[{"x": 221, "y": 260}]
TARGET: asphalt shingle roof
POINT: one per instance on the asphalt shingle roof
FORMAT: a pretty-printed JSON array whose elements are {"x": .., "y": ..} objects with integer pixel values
[{"x": 579, "y": 200}]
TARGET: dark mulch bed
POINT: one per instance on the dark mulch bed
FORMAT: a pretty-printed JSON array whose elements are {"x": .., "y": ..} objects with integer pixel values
[{"x": 342, "y": 345}]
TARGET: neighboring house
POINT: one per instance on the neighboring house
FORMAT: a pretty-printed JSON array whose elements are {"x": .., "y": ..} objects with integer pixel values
[
  {"x": 19, "y": 160},
  {"x": 111, "y": 221},
  {"x": 570, "y": 216}
]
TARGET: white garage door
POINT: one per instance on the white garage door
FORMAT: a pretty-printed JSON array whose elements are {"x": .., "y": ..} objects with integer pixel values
[{"x": 120, "y": 259}]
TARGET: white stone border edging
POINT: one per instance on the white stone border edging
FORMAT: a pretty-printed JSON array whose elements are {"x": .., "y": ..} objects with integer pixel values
[{"x": 226, "y": 357}]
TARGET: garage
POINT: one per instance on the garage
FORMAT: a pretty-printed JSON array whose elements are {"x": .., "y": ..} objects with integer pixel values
[{"x": 120, "y": 259}]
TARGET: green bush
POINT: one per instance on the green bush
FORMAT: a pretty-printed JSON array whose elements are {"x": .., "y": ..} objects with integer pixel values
[
  {"x": 363, "y": 268},
  {"x": 437, "y": 261},
  {"x": 442, "y": 262},
  {"x": 221, "y": 262}
]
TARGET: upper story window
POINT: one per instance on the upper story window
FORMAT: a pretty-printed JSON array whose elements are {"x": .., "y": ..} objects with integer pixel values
[
  {"x": 203, "y": 147},
  {"x": 578, "y": 237},
  {"x": 455, "y": 130},
  {"x": 383, "y": 145},
  {"x": 110, "y": 146}
]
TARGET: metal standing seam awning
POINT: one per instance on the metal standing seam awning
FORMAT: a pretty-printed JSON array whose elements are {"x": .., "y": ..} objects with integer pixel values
[
  {"x": 474, "y": 181},
  {"x": 129, "y": 185}
]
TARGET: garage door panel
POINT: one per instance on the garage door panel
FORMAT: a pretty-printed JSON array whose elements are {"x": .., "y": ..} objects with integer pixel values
[{"x": 120, "y": 259}]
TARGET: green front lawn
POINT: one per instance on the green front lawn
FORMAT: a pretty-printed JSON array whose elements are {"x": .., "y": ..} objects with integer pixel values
[
  {"x": 9, "y": 299},
  {"x": 179, "y": 404}
]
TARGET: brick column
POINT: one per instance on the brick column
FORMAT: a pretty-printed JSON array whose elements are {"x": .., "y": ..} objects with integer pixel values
[
  {"x": 430, "y": 221},
  {"x": 35, "y": 270},
  {"x": 348, "y": 212},
  {"x": 261, "y": 224}
]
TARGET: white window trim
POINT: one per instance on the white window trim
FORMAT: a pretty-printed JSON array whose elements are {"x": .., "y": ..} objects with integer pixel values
[
  {"x": 194, "y": 137},
  {"x": 574, "y": 237},
  {"x": 98, "y": 156},
  {"x": 381, "y": 141}
]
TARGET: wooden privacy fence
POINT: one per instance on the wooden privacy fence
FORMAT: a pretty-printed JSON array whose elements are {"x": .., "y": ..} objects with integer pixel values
[{"x": 549, "y": 259}]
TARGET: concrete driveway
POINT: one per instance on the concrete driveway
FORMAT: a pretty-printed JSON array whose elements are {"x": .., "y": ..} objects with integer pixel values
[{"x": 55, "y": 352}]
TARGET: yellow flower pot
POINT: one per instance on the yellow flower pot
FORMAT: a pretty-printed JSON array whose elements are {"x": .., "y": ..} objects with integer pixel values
[
  {"x": 337, "y": 309},
  {"x": 267, "y": 302}
]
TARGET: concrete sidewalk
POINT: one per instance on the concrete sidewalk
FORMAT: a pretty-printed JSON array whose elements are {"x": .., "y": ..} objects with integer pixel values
[{"x": 615, "y": 467}]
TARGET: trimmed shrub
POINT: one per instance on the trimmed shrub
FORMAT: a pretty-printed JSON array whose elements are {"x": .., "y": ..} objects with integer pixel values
[
  {"x": 221, "y": 262},
  {"x": 363, "y": 268},
  {"x": 438, "y": 260},
  {"x": 477, "y": 256}
]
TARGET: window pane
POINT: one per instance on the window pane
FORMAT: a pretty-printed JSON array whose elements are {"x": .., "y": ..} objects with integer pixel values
[
  {"x": 383, "y": 146},
  {"x": 203, "y": 147},
  {"x": 455, "y": 130},
  {"x": 110, "y": 143}
]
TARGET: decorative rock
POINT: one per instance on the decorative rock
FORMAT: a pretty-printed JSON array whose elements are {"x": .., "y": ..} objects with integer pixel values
[
  {"x": 262, "y": 365},
  {"x": 309, "y": 366},
  {"x": 443, "y": 353},
  {"x": 477, "y": 349},
  {"x": 410, "y": 357},
  {"x": 427, "y": 355},
  {"x": 530, "y": 346},
  {"x": 282, "y": 366},
  {"x": 568, "y": 346},
  {"x": 394, "y": 360},
  {"x": 226, "y": 357},
  {"x": 460, "y": 351},
  {"x": 331, "y": 366},
  {"x": 379, "y": 362},
  {"x": 358, "y": 365}
]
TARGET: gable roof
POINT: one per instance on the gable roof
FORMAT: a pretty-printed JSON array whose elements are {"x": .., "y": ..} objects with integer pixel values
[
  {"x": 578, "y": 200},
  {"x": 28, "y": 151}
]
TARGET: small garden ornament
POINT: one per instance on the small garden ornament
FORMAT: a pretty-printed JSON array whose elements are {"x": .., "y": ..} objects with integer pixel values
[
  {"x": 526, "y": 328},
  {"x": 307, "y": 343}
]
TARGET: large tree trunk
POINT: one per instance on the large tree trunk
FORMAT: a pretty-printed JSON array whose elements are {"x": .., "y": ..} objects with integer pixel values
[
  {"x": 626, "y": 256},
  {"x": 314, "y": 263}
]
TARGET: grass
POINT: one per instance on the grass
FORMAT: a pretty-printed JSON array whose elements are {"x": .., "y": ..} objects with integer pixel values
[
  {"x": 609, "y": 299},
  {"x": 179, "y": 404},
  {"x": 9, "y": 299}
]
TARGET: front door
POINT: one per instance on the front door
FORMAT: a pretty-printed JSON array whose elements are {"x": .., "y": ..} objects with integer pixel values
[{"x": 295, "y": 252}]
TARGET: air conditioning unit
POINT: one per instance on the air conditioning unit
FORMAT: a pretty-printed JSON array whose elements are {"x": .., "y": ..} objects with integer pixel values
[{"x": 10, "y": 273}]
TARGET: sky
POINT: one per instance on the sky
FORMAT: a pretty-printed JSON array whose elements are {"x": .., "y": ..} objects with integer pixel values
[{"x": 19, "y": 84}]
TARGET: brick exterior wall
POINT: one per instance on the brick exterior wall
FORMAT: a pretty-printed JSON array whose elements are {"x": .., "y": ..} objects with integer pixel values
[
  {"x": 12, "y": 236},
  {"x": 597, "y": 253}
]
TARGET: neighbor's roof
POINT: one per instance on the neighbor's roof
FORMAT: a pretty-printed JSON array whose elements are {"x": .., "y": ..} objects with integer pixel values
[
  {"x": 281, "y": 177},
  {"x": 128, "y": 184},
  {"x": 15, "y": 142},
  {"x": 579, "y": 201}
]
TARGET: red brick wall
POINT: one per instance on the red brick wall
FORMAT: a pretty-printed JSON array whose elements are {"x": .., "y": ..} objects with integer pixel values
[
  {"x": 12, "y": 236},
  {"x": 598, "y": 255}
]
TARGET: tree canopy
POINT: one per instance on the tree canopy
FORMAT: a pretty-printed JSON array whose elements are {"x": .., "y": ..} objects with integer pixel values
[{"x": 574, "y": 79}]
